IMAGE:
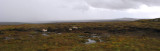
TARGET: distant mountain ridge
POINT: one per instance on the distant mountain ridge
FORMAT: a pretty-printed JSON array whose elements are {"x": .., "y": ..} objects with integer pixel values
[
  {"x": 11, "y": 23},
  {"x": 127, "y": 19},
  {"x": 105, "y": 20},
  {"x": 100, "y": 20}
]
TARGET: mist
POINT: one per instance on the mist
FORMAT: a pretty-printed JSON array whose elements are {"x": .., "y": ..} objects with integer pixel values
[{"x": 60, "y": 10}]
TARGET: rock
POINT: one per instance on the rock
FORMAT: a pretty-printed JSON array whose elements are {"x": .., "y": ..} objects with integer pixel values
[
  {"x": 74, "y": 27},
  {"x": 44, "y": 30},
  {"x": 70, "y": 29}
]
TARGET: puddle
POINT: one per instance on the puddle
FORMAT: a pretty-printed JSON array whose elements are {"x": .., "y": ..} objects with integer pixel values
[
  {"x": 48, "y": 32},
  {"x": 44, "y": 34},
  {"x": 8, "y": 38},
  {"x": 100, "y": 40},
  {"x": 59, "y": 33},
  {"x": 95, "y": 36},
  {"x": 81, "y": 36},
  {"x": 31, "y": 36},
  {"x": 90, "y": 41}
]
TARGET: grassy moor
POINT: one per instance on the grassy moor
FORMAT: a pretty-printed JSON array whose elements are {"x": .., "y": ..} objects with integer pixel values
[{"x": 140, "y": 35}]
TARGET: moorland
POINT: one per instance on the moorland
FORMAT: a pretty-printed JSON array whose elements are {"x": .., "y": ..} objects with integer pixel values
[{"x": 139, "y": 35}]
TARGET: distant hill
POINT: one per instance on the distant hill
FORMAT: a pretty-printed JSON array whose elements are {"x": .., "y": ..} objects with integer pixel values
[
  {"x": 150, "y": 20},
  {"x": 11, "y": 23},
  {"x": 102, "y": 20},
  {"x": 105, "y": 20},
  {"x": 127, "y": 19}
]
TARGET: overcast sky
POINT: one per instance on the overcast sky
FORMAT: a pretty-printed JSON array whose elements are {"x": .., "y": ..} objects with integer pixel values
[{"x": 53, "y": 10}]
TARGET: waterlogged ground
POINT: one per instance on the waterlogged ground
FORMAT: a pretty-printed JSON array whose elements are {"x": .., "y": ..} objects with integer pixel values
[
  {"x": 50, "y": 41},
  {"x": 143, "y": 35}
]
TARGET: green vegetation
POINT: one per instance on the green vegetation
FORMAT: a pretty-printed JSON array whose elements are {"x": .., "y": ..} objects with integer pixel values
[{"x": 141, "y": 35}]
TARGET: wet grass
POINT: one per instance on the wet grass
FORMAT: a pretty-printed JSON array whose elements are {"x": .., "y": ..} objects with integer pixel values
[
  {"x": 115, "y": 36},
  {"x": 72, "y": 42}
]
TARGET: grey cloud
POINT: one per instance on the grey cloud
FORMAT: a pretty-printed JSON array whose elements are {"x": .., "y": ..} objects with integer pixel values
[
  {"x": 82, "y": 7},
  {"x": 149, "y": 2},
  {"x": 52, "y": 10},
  {"x": 41, "y": 10},
  {"x": 122, "y": 4}
]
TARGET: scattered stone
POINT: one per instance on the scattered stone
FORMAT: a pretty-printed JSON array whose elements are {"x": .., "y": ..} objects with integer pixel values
[
  {"x": 8, "y": 38},
  {"x": 70, "y": 29},
  {"x": 74, "y": 27},
  {"x": 59, "y": 33},
  {"x": 44, "y": 30}
]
